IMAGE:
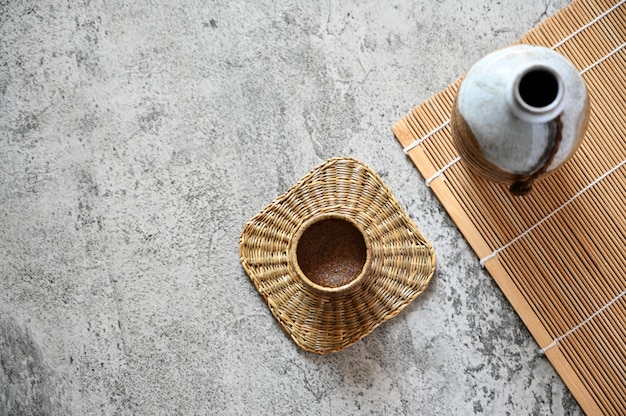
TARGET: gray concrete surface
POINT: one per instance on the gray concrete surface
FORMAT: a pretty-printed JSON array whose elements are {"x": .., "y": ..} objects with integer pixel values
[{"x": 137, "y": 138}]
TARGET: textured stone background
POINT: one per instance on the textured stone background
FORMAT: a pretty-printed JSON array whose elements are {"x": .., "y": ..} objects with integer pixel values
[{"x": 137, "y": 138}]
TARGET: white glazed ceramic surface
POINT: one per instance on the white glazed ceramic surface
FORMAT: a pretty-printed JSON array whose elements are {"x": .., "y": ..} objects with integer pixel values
[{"x": 513, "y": 139}]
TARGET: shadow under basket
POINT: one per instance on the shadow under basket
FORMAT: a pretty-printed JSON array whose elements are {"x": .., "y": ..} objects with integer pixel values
[{"x": 335, "y": 256}]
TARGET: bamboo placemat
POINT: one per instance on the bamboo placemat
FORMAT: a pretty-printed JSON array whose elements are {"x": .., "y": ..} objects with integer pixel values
[{"x": 558, "y": 254}]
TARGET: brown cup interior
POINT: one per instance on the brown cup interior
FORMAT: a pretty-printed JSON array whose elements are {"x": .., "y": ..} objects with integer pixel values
[{"x": 331, "y": 252}]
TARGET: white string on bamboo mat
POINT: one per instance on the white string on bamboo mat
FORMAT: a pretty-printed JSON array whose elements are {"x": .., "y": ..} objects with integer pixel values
[
  {"x": 580, "y": 29},
  {"x": 441, "y": 171},
  {"x": 614, "y": 51},
  {"x": 420, "y": 141},
  {"x": 604, "y": 58},
  {"x": 586, "y": 321},
  {"x": 579, "y": 193}
]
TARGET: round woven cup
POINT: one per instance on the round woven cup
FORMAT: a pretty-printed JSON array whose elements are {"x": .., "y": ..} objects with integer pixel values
[
  {"x": 334, "y": 253},
  {"x": 335, "y": 256}
]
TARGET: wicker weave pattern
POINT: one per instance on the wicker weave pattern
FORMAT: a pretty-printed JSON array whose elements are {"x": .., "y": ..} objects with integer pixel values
[{"x": 401, "y": 261}]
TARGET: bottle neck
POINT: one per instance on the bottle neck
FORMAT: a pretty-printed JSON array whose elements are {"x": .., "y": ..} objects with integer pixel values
[{"x": 536, "y": 94}]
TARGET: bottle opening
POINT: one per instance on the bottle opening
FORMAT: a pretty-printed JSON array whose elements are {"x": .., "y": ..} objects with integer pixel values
[{"x": 539, "y": 88}]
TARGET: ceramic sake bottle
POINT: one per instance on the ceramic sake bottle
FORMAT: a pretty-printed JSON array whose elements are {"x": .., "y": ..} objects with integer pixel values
[{"x": 519, "y": 114}]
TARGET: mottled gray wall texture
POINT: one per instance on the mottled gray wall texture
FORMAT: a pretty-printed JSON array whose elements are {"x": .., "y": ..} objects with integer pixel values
[{"x": 137, "y": 138}]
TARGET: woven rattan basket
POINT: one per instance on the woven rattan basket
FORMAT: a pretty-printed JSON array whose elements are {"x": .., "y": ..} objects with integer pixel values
[{"x": 335, "y": 256}]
